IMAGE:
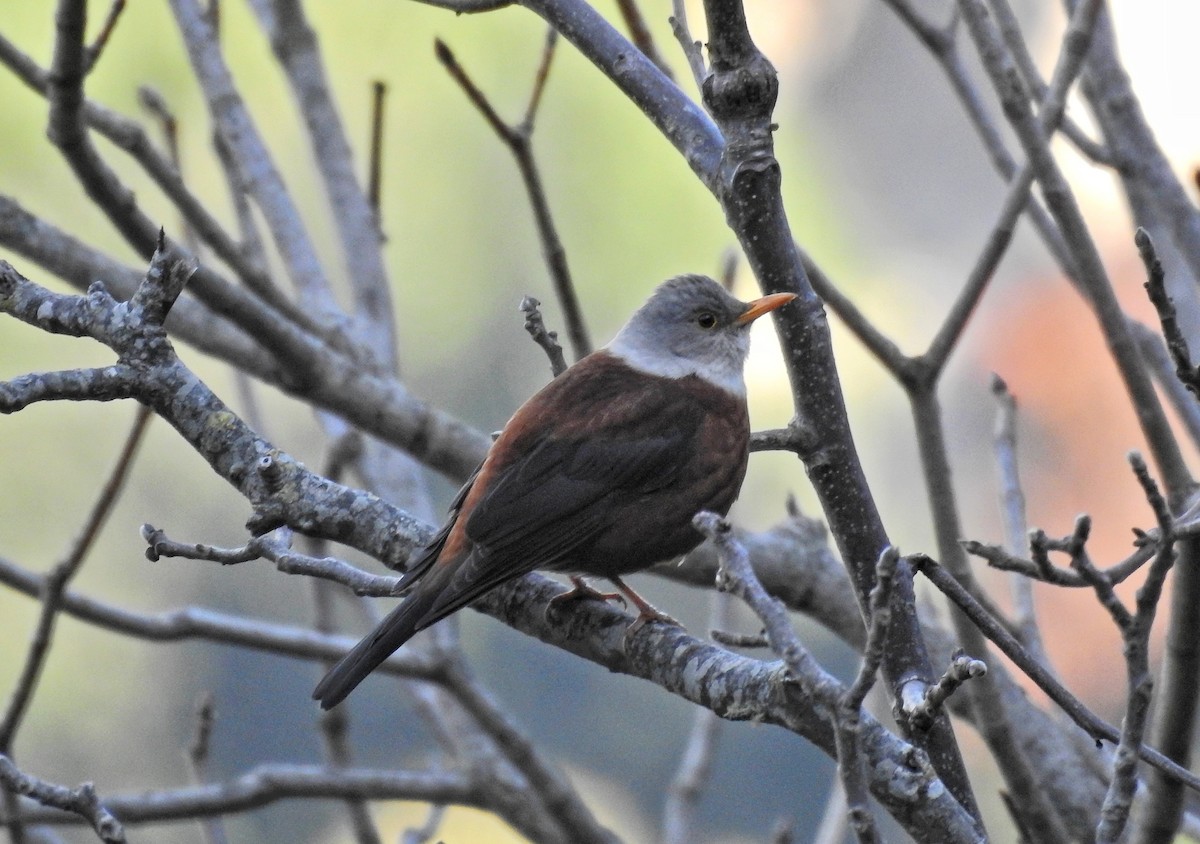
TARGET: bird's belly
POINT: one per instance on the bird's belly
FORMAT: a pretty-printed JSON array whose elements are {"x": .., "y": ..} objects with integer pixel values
[{"x": 652, "y": 529}]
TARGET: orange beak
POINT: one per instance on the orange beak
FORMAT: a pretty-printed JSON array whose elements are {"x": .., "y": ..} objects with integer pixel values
[{"x": 764, "y": 305}]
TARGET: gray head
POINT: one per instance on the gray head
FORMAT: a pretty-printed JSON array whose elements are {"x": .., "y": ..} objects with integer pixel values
[{"x": 692, "y": 326}]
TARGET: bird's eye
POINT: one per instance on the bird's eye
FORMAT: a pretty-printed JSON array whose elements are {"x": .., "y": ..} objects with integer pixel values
[{"x": 706, "y": 320}]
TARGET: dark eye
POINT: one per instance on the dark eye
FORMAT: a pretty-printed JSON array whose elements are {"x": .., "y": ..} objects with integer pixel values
[{"x": 706, "y": 320}]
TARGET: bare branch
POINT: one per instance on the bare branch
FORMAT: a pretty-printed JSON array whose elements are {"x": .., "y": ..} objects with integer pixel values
[
  {"x": 1040, "y": 568},
  {"x": 961, "y": 669},
  {"x": 295, "y": 45},
  {"x": 548, "y": 340},
  {"x": 1135, "y": 631},
  {"x": 738, "y": 577},
  {"x": 695, "y": 765},
  {"x": 1065, "y": 209},
  {"x": 1177, "y": 344},
  {"x": 277, "y": 550},
  {"x": 1011, "y": 648},
  {"x": 1158, "y": 359},
  {"x": 518, "y": 141},
  {"x": 640, "y": 35},
  {"x": 106, "y": 31},
  {"x": 693, "y": 50},
  {"x": 237, "y": 128},
  {"x": 82, "y": 801},
  {"x": 206, "y": 625},
  {"x": 850, "y": 763},
  {"x": 60, "y": 576},
  {"x": 1012, "y": 509},
  {"x": 682, "y": 121},
  {"x": 375, "y": 171},
  {"x": 197, "y": 757},
  {"x": 268, "y": 784},
  {"x": 1037, "y": 90}
]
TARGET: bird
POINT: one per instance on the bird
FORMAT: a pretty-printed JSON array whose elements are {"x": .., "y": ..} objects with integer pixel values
[{"x": 599, "y": 473}]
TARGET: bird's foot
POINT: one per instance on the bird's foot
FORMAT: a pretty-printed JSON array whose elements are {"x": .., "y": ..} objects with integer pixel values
[
  {"x": 647, "y": 612},
  {"x": 582, "y": 591},
  {"x": 649, "y": 615}
]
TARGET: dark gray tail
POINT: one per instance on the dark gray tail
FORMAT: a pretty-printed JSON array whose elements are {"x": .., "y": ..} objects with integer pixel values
[{"x": 401, "y": 624}]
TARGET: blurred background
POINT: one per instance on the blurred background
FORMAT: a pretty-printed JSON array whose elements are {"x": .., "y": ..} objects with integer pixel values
[{"x": 888, "y": 189}]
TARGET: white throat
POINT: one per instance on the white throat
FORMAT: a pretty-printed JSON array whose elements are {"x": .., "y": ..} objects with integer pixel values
[{"x": 723, "y": 372}]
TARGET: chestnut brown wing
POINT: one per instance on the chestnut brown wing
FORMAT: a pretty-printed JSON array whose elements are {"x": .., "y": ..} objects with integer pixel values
[{"x": 559, "y": 495}]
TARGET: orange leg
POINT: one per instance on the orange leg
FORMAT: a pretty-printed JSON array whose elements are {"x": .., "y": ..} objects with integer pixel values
[
  {"x": 646, "y": 611},
  {"x": 581, "y": 591}
]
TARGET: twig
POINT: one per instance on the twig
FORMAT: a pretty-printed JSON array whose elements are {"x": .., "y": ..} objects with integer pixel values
[
  {"x": 1135, "y": 631},
  {"x": 684, "y": 123},
  {"x": 251, "y": 238},
  {"x": 878, "y": 344},
  {"x": 955, "y": 323},
  {"x": 517, "y": 138},
  {"x": 79, "y": 265},
  {"x": 962, "y": 668},
  {"x": 540, "y": 77},
  {"x": 71, "y": 113},
  {"x": 561, "y": 802},
  {"x": 199, "y": 623},
  {"x": 1051, "y": 114},
  {"x": 56, "y": 582},
  {"x": 1149, "y": 177},
  {"x": 274, "y": 482},
  {"x": 1156, "y": 290},
  {"x": 1178, "y": 701},
  {"x": 106, "y": 31},
  {"x": 335, "y": 724},
  {"x": 737, "y": 576},
  {"x": 548, "y": 340},
  {"x": 1012, "y": 509},
  {"x": 667, "y": 656},
  {"x": 1036, "y": 87},
  {"x": 695, "y": 765},
  {"x": 942, "y": 44},
  {"x": 1063, "y": 206},
  {"x": 152, "y": 101},
  {"x": 989, "y": 696},
  {"x": 1158, "y": 359},
  {"x": 375, "y": 171},
  {"x": 260, "y": 786},
  {"x": 277, "y": 551},
  {"x": 739, "y": 640},
  {"x": 197, "y": 758},
  {"x": 640, "y": 35},
  {"x": 1179, "y": 695},
  {"x": 1040, "y": 569},
  {"x": 1008, "y": 644},
  {"x": 81, "y": 801},
  {"x": 850, "y": 762},
  {"x": 263, "y": 180},
  {"x": 343, "y": 451},
  {"x": 355, "y": 219},
  {"x": 693, "y": 50}
]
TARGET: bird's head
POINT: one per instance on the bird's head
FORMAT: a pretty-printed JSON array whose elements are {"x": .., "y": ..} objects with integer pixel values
[{"x": 692, "y": 326}]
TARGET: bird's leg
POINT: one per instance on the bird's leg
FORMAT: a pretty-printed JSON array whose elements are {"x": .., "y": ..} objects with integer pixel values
[
  {"x": 646, "y": 611},
  {"x": 580, "y": 590}
]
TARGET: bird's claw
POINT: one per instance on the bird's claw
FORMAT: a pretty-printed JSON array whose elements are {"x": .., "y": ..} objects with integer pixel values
[
  {"x": 649, "y": 615},
  {"x": 582, "y": 591}
]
